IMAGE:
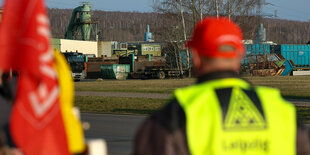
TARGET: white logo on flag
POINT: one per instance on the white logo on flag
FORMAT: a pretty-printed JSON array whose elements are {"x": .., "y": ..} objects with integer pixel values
[
  {"x": 40, "y": 109},
  {"x": 42, "y": 99}
]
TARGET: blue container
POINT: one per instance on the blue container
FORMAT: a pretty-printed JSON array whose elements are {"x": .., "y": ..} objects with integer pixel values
[
  {"x": 299, "y": 54},
  {"x": 183, "y": 56},
  {"x": 255, "y": 49},
  {"x": 288, "y": 68}
]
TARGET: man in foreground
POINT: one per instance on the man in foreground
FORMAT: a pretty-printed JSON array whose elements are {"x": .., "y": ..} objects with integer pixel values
[{"x": 222, "y": 114}]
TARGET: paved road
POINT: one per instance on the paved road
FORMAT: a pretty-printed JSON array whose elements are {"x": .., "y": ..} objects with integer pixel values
[{"x": 117, "y": 130}]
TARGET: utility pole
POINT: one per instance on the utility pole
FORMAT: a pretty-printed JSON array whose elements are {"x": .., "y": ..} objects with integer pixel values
[
  {"x": 183, "y": 21},
  {"x": 259, "y": 16},
  {"x": 200, "y": 7},
  {"x": 184, "y": 33},
  {"x": 229, "y": 8},
  {"x": 276, "y": 14},
  {"x": 217, "y": 8},
  {"x": 259, "y": 9}
]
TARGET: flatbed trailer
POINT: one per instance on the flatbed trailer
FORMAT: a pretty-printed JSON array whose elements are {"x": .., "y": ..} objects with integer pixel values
[
  {"x": 157, "y": 73},
  {"x": 150, "y": 67}
]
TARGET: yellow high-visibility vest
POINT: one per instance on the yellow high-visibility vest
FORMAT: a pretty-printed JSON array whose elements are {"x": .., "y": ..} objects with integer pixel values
[{"x": 229, "y": 116}]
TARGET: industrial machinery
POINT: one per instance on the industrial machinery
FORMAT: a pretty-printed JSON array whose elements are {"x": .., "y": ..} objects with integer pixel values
[
  {"x": 297, "y": 56},
  {"x": 148, "y": 34},
  {"x": 81, "y": 21},
  {"x": 76, "y": 62},
  {"x": 133, "y": 66},
  {"x": 147, "y": 66},
  {"x": 269, "y": 65}
]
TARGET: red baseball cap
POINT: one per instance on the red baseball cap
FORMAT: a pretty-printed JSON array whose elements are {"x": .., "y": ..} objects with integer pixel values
[{"x": 217, "y": 38}]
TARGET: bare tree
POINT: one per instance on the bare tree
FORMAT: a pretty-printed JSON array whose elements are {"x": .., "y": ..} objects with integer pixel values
[
  {"x": 191, "y": 11},
  {"x": 130, "y": 26}
]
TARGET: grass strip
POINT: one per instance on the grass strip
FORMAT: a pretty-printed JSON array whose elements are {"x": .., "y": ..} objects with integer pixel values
[
  {"x": 141, "y": 86},
  {"x": 303, "y": 114},
  {"x": 121, "y": 105},
  {"x": 292, "y": 87},
  {"x": 118, "y": 105}
]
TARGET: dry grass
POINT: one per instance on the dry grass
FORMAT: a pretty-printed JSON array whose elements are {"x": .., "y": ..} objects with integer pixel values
[
  {"x": 118, "y": 105},
  {"x": 304, "y": 114},
  {"x": 147, "y": 86},
  {"x": 291, "y": 86}
]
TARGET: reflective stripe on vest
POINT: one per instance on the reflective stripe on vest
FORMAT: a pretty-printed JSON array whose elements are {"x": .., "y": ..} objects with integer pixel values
[{"x": 253, "y": 122}]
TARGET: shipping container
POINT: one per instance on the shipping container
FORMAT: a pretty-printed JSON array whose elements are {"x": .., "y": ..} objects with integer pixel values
[
  {"x": 301, "y": 73},
  {"x": 268, "y": 65},
  {"x": 115, "y": 71},
  {"x": 288, "y": 68},
  {"x": 183, "y": 55},
  {"x": 298, "y": 54},
  {"x": 255, "y": 49}
]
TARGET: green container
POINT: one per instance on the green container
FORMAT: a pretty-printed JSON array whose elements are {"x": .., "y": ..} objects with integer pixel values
[{"x": 115, "y": 71}]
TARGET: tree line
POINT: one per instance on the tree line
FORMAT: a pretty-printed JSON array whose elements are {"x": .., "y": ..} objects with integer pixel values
[{"x": 166, "y": 25}]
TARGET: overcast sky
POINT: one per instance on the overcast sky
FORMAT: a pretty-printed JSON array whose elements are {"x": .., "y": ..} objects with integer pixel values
[{"x": 287, "y": 9}]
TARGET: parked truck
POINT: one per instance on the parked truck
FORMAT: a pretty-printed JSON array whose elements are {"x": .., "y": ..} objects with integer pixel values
[{"x": 76, "y": 62}]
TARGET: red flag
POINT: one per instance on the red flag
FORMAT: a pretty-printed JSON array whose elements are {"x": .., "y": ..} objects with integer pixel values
[{"x": 36, "y": 122}]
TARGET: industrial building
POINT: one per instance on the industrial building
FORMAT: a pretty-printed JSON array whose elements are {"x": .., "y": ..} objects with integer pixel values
[
  {"x": 107, "y": 48},
  {"x": 81, "y": 23},
  {"x": 85, "y": 47},
  {"x": 147, "y": 48}
]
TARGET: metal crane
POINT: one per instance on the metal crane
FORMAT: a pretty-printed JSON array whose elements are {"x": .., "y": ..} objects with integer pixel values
[{"x": 80, "y": 20}]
